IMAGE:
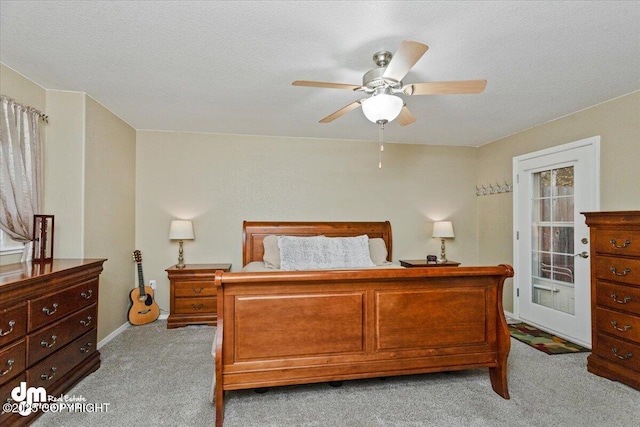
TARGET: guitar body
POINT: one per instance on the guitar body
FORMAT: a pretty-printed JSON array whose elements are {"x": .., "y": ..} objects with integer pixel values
[{"x": 143, "y": 309}]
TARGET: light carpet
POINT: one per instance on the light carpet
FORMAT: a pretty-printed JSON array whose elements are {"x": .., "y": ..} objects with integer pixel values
[{"x": 152, "y": 376}]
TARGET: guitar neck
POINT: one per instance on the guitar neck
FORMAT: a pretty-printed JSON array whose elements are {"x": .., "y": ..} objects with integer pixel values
[{"x": 140, "y": 279}]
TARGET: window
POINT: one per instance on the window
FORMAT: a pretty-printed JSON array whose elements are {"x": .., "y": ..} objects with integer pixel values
[{"x": 8, "y": 246}]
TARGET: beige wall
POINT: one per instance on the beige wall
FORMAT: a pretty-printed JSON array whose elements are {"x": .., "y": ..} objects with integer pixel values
[
  {"x": 220, "y": 180},
  {"x": 89, "y": 173},
  {"x": 618, "y": 124},
  {"x": 109, "y": 209}
]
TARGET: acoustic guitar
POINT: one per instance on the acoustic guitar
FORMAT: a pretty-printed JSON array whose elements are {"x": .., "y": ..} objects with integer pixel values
[{"x": 143, "y": 309}]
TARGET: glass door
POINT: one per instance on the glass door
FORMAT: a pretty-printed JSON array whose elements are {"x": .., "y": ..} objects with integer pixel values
[{"x": 551, "y": 250}]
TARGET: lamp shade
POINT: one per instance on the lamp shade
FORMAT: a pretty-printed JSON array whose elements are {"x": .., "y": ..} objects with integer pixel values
[
  {"x": 181, "y": 230},
  {"x": 382, "y": 107},
  {"x": 443, "y": 229}
]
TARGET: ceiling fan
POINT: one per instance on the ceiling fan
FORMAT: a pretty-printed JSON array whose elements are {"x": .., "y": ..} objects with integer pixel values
[{"x": 384, "y": 84}]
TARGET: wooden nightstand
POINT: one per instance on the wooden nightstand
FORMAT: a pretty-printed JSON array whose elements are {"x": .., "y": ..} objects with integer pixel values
[
  {"x": 420, "y": 263},
  {"x": 193, "y": 294}
]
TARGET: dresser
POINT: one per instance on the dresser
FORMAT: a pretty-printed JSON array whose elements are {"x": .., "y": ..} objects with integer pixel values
[
  {"x": 615, "y": 295},
  {"x": 193, "y": 299},
  {"x": 48, "y": 334}
]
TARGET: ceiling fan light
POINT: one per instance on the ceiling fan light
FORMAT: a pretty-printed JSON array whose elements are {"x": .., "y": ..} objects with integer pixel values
[{"x": 382, "y": 107}]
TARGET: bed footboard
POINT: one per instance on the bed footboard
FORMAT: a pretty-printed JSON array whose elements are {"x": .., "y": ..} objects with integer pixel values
[{"x": 286, "y": 328}]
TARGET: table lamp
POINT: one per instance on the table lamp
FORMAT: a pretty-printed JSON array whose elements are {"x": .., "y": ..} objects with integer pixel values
[
  {"x": 181, "y": 230},
  {"x": 443, "y": 230}
]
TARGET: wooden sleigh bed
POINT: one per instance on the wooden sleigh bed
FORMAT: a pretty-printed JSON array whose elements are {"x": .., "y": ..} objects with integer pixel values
[{"x": 295, "y": 327}]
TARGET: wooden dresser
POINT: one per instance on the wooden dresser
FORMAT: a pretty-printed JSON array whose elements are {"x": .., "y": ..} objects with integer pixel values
[
  {"x": 193, "y": 299},
  {"x": 48, "y": 317},
  {"x": 615, "y": 295}
]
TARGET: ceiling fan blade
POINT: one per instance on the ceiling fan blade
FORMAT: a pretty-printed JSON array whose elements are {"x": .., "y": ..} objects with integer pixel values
[
  {"x": 325, "y": 85},
  {"x": 405, "y": 117},
  {"x": 461, "y": 87},
  {"x": 404, "y": 59},
  {"x": 341, "y": 112}
]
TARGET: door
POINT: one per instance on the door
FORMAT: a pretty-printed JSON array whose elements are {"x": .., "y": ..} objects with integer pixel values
[{"x": 551, "y": 247}]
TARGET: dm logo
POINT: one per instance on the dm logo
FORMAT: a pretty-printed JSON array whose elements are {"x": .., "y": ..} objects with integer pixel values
[{"x": 27, "y": 397}]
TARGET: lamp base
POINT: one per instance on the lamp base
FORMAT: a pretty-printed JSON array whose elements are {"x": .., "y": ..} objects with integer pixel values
[{"x": 443, "y": 256}]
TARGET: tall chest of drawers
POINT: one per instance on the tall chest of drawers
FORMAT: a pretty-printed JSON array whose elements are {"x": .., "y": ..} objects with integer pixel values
[
  {"x": 48, "y": 334},
  {"x": 615, "y": 295}
]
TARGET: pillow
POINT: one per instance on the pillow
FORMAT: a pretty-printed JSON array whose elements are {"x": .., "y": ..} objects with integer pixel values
[
  {"x": 378, "y": 251},
  {"x": 300, "y": 253},
  {"x": 271, "y": 255}
]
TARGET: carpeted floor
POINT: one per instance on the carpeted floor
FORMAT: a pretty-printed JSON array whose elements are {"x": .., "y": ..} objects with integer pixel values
[
  {"x": 544, "y": 341},
  {"x": 152, "y": 376}
]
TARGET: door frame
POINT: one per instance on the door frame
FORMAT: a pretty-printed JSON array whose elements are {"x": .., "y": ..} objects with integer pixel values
[{"x": 594, "y": 143}]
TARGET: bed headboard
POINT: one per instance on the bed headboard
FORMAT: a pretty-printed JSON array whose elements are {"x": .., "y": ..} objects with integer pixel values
[{"x": 253, "y": 233}]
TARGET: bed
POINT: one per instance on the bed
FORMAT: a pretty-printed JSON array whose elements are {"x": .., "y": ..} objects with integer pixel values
[{"x": 294, "y": 327}]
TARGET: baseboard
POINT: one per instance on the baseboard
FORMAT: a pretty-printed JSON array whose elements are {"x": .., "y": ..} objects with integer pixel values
[
  {"x": 509, "y": 314},
  {"x": 113, "y": 334},
  {"x": 121, "y": 329}
]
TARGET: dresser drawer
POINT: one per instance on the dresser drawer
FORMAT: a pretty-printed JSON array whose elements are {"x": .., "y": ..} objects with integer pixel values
[
  {"x": 12, "y": 360},
  {"x": 195, "y": 305},
  {"x": 5, "y": 396},
  {"x": 621, "y": 270},
  {"x": 621, "y": 352},
  {"x": 53, "y": 337},
  {"x": 619, "y": 324},
  {"x": 618, "y": 242},
  {"x": 48, "y": 309},
  {"x": 194, "y": 289},
  {"x": 56, "y": 366},
  {"x": 616, "y": 296},
  {"x": 13, "y": 323}
]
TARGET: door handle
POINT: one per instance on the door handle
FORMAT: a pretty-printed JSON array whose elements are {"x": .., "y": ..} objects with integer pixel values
[{"x": 583, "y": 254}]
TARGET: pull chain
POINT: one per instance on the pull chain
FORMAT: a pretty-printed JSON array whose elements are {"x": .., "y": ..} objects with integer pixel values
[{"x": 381, "y": 141}]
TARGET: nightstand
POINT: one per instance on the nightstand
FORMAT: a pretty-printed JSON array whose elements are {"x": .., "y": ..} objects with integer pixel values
[
  {"x": 193, "y": 299},
  {"x": 420, "y": 263}
]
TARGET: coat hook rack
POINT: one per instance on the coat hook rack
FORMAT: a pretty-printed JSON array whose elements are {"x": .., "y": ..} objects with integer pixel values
[{"x": 486, "y": 190}]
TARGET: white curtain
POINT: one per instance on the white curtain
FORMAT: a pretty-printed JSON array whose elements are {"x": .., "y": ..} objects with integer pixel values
[{"x": 20, "y": 170}]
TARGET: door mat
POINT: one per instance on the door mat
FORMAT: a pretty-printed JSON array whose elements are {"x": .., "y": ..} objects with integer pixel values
[{"x": 543, "y": 341}]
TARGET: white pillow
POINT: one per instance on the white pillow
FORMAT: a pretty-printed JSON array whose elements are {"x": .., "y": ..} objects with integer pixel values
[
  {"x": 304, "y": 253},
  {"x": 378, "y": 251}
]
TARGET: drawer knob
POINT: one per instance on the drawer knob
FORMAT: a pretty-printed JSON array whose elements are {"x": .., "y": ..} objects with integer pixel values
[
  {"x": 45, "y": 377},
  {"x": 10, "y": 362},
  {"x": 86, "y": 322},
  {"x": 621, "y": 357},
  {"x": 87, "y": 348},
  {"x": 620, "y": 301},
  {"x": 11, "y": 323},
  {"x": 622, "y": 246},
  {"x": 615, "y": 326},
  {"x": 48, "y": 311},
  {"x": 197, "y": 291},
  {"x": 45, "y": 344},
  {"x": 197, "y": 307},
  {"x": 614, "y": 270},
  {"x": 87, "y": 295}
]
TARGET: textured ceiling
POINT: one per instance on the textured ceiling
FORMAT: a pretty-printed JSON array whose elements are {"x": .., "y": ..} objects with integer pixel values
[{"x": 227, "y": 67}]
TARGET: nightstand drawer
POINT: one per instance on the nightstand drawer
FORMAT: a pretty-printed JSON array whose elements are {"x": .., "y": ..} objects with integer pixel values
[
  {"x": 196, "y": 305},
  {"x": 194, "y": 289},
  {"x": 13, "y": 323}
]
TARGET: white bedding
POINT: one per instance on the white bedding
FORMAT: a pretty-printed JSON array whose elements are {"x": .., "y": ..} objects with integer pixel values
[{"x": 259, "y": 266}]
